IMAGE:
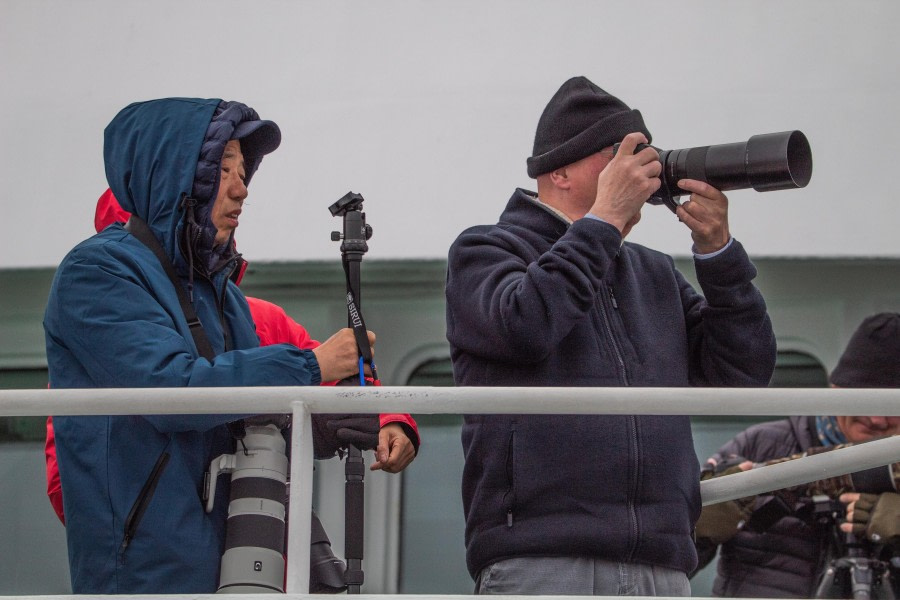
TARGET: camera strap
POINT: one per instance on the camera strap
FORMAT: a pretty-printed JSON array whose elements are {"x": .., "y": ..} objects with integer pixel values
[
  {"x": 356, "y": 321},
  {"x": 139, "y": 229}
]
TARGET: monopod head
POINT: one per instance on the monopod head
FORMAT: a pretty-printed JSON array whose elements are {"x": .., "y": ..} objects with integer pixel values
[
  {"x": 356, "y": 231},
  {"x": 349, "y": 201}
]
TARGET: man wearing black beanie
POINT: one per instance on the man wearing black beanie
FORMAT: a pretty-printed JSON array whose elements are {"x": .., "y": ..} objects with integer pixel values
[
  {"x": 786, "y": 560},
  {"x": 552, "y": 295}
]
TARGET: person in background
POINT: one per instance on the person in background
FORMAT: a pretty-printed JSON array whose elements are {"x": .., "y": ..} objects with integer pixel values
[
  {"x": 787, "y": 559},
  {"x": 554, "y": 295}
]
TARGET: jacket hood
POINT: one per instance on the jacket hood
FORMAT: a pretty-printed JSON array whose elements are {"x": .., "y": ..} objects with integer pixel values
[{"x": 160, "y": 151}]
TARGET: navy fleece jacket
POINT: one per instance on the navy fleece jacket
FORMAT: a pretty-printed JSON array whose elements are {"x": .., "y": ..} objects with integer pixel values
[{"x": 536, "y": 301}]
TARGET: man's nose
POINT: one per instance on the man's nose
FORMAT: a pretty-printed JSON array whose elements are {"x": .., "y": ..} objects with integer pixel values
[{"x": 239, "y": 191}]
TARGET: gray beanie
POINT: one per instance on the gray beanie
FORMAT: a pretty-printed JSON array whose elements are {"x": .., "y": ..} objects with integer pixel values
[
  {"x": 872, "y": 357},
  {"x": 579, "y": 120}
]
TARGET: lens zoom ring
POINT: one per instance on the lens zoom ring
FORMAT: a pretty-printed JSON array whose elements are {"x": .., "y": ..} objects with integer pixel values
[
  {"x": 258, "y": 487},
  {"x": 255, "y": 530}
]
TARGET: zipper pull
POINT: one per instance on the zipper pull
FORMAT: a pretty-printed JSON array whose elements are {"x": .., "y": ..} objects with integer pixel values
[
  {"x": 509, "y": 518},
  {"x": 613, "y": 298}
]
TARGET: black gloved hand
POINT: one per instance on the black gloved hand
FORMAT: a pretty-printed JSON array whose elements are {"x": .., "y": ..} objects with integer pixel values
[
  {"x": 325, "y": 442},
  {"x": 331, "y": 432},
  {"x": 359, "y": 430}
]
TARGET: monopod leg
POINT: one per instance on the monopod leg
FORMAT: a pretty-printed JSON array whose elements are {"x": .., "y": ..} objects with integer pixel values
[{"x": 354, "y": 514}]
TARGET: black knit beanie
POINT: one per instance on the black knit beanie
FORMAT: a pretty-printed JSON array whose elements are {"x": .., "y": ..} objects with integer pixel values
[
  {"x": 579, "y": 120},
  {"x": 872, "y": 357}
]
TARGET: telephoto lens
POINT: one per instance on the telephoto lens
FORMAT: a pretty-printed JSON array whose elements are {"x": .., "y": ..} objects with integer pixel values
[
  {"x": 253, "y": 561},
  {"x": 765, "y": 162}
]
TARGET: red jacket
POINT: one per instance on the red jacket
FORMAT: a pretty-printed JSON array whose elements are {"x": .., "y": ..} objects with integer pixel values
[{"x": 273, "y": 326}]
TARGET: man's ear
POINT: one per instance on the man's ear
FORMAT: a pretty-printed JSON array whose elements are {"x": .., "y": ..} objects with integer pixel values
[{"x": 560, "y": 178}]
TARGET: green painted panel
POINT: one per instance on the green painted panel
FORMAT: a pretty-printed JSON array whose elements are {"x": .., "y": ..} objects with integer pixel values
[
  {"x": 23, "y": 296},
  {"x": 23, "y": 429}
]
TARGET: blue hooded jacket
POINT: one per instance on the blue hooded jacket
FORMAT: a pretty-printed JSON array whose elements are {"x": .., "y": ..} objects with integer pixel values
[{"x": 132, "y": 485}]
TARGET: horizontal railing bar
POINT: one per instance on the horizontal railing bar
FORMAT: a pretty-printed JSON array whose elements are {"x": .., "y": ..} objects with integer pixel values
[
  {"x": 486, "y": 400},
  {"x": 802, "y": 470},
  {"x": 290, "y": 596},
  {"x": 454, "y": 400}
]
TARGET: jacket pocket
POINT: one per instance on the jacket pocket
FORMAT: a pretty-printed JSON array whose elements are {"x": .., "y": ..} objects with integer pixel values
[{"x": 142, "y": 502}]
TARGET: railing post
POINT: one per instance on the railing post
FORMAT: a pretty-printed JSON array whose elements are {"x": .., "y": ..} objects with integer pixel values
[{"x": 300, "y": 501}]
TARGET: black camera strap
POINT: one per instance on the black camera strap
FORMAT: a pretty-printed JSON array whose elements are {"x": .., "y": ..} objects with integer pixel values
[
  {"x": 139, "y": 229},
  {"x": 355, "y": 318}
]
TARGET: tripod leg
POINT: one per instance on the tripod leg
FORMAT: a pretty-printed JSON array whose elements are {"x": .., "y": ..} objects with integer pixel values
[
  {"x": 861, "y": 581},
  {"x": 887, "y": 585},
  {"x": 827, "y": 583}
]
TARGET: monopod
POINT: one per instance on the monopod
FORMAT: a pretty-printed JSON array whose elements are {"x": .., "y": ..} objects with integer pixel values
[{"x": 353, "y": 247}]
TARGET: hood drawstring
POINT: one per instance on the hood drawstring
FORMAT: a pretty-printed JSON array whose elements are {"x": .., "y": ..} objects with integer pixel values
[
  {"x": 188, "y": 204},
  {"x": 239, "y": 265}
]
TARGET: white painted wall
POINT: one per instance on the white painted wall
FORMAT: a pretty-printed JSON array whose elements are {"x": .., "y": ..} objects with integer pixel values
[{"x": 428, "y": 109}]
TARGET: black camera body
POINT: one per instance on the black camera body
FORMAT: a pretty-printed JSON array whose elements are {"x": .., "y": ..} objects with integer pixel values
[{"x": 765, "y": 162}]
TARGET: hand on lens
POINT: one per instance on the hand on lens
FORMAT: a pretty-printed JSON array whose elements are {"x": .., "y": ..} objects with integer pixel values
[{"x": 706, "y": 214}]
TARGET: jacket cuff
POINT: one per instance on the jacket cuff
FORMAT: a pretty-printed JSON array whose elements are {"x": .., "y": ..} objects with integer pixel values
[{"x": 731, "y": 267}]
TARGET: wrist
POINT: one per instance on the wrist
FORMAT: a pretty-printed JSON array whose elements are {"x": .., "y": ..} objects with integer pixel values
[
  {"x": 324, "y": 373},
  {"x": 703, "y": 248},
  {"x": 618, "y": 223}
]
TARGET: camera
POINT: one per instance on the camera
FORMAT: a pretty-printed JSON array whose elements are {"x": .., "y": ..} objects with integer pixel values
[{"x": 765, "y": 162}]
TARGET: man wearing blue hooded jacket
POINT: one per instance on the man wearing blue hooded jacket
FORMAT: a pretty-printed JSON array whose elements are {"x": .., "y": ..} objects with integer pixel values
[
  {"x": 553, "y": 295},
  {"x": 133, "y": 484}
]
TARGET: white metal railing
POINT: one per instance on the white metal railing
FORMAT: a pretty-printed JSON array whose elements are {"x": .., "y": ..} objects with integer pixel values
[{"x": 305, "y": 401}]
